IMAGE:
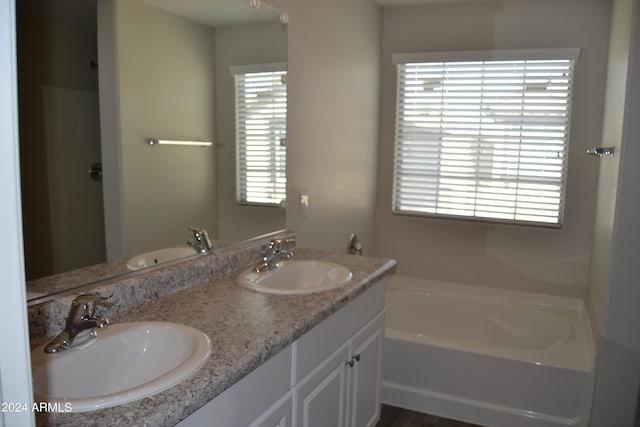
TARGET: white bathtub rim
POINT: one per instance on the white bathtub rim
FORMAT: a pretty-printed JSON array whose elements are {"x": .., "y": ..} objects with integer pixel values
[
  {"x": 398, "y": 282},
  {"x": 558, "y": 356}
]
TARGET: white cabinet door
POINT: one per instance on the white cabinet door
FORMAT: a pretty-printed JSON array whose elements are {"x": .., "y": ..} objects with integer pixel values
[
  {"x": 364, "y": 402},
  {"x": 279, "y": 415},
  {"x": 345, "y": 389},
  {"x": 253, "y": 400},
  {"x": 321, "y": 395}
]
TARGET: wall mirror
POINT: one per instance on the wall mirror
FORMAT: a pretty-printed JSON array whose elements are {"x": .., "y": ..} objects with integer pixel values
[{"x": 96, "y": 79}]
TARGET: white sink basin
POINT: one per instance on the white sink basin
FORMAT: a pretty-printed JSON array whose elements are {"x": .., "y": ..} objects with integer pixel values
[
  {"x": 126, "y": 362},
  {"x": 158, "y": 257},
  {"x": 296, "y": 277}
]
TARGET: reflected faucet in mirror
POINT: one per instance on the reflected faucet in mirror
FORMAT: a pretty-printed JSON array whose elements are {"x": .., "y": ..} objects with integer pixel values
[
  {"x": 76, "y": 324},
  {"x": 200, "y": 242}
]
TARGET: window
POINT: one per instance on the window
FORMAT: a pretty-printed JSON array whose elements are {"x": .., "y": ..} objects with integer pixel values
[
  {"x": 483, "y": 134},
  {"x": 261, "y": 121}
]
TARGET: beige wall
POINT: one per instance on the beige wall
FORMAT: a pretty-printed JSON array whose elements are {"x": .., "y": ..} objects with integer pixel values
[
  {"x": 614, "y": 292},
  {"x": 241, "y": 45},
  {"x": 165, "y": 70},
  {"x": 518, "y": 257},
  {"x": 333, "y": 60},
  {"x": 619, "y": 45}
]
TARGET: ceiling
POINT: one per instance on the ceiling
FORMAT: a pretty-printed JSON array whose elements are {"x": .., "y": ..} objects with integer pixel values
[
  {"x": 217, "y": 12},
  {"x": 208, "y": 12},
  {"x": 394, "y": 3}
]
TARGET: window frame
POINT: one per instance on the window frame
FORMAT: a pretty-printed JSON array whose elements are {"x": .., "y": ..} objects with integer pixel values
[{"x": 398, "y": 59}]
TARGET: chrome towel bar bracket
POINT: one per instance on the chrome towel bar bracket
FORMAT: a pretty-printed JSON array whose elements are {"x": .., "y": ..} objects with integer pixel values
[{"x": 601, "y": 151}]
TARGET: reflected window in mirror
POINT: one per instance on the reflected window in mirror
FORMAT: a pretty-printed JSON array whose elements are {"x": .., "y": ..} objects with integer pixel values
[{"x": 261, "y": 124}]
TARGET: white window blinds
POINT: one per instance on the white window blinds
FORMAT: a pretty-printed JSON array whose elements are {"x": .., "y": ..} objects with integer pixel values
[
  {"x": 261, "y": 121},
  {"x": 483, "y": 135}
]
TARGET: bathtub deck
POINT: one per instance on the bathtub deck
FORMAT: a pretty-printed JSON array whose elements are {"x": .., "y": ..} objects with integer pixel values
[{"x": 392, "y": 416}]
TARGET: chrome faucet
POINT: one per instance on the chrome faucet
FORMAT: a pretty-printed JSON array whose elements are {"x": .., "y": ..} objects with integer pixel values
[
  {"x": 200, "y": 242},
  {"x": 77, "y": 323},
  {"x": 355, "y": 247},
  {"x": 275, "y": 251}
]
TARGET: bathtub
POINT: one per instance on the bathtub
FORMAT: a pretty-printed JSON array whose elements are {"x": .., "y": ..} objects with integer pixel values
[{"x": 492, "y": 357}]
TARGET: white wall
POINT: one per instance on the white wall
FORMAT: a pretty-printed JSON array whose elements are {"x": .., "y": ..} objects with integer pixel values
[
  {"x": 333, "y": 84},
  {"x": 617, "y": 70},
  {"x": 526, "y": 258},
  {"x": 615, "y": 290},
  {"x": 247, "y": 44},
  {"x": 15, "y": 367},
  {"x": 165, "y": 89}
]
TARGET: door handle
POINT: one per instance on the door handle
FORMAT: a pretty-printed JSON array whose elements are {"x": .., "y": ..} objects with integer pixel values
[{"x": 95, "y": 171}]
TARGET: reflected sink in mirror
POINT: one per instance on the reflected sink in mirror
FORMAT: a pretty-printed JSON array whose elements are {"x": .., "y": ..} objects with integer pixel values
[
  {"x": 296, "y": 277},
  {"x": 160, "y": 256},
  {"x": 125, "y": 362}
]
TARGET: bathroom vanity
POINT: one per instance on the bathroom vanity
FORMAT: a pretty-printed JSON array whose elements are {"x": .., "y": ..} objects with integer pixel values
[
  {"x": 330, "y": 376},
  {"x": 283, "y": 360}
]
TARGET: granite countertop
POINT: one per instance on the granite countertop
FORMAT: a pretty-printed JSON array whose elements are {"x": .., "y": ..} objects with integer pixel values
[{"x": 246, "y": 328}]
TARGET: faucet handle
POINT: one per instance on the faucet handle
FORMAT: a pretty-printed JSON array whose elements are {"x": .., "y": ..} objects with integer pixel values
[
  {"x": 197, "y": 232},
  {"x": 269, "y": 247},
  {"x": 280, "y": 245},
  {"x": 88, "y": 304}
]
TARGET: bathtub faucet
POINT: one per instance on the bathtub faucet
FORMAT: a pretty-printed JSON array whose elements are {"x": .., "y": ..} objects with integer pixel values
[{"x": 275, "y": 251}]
